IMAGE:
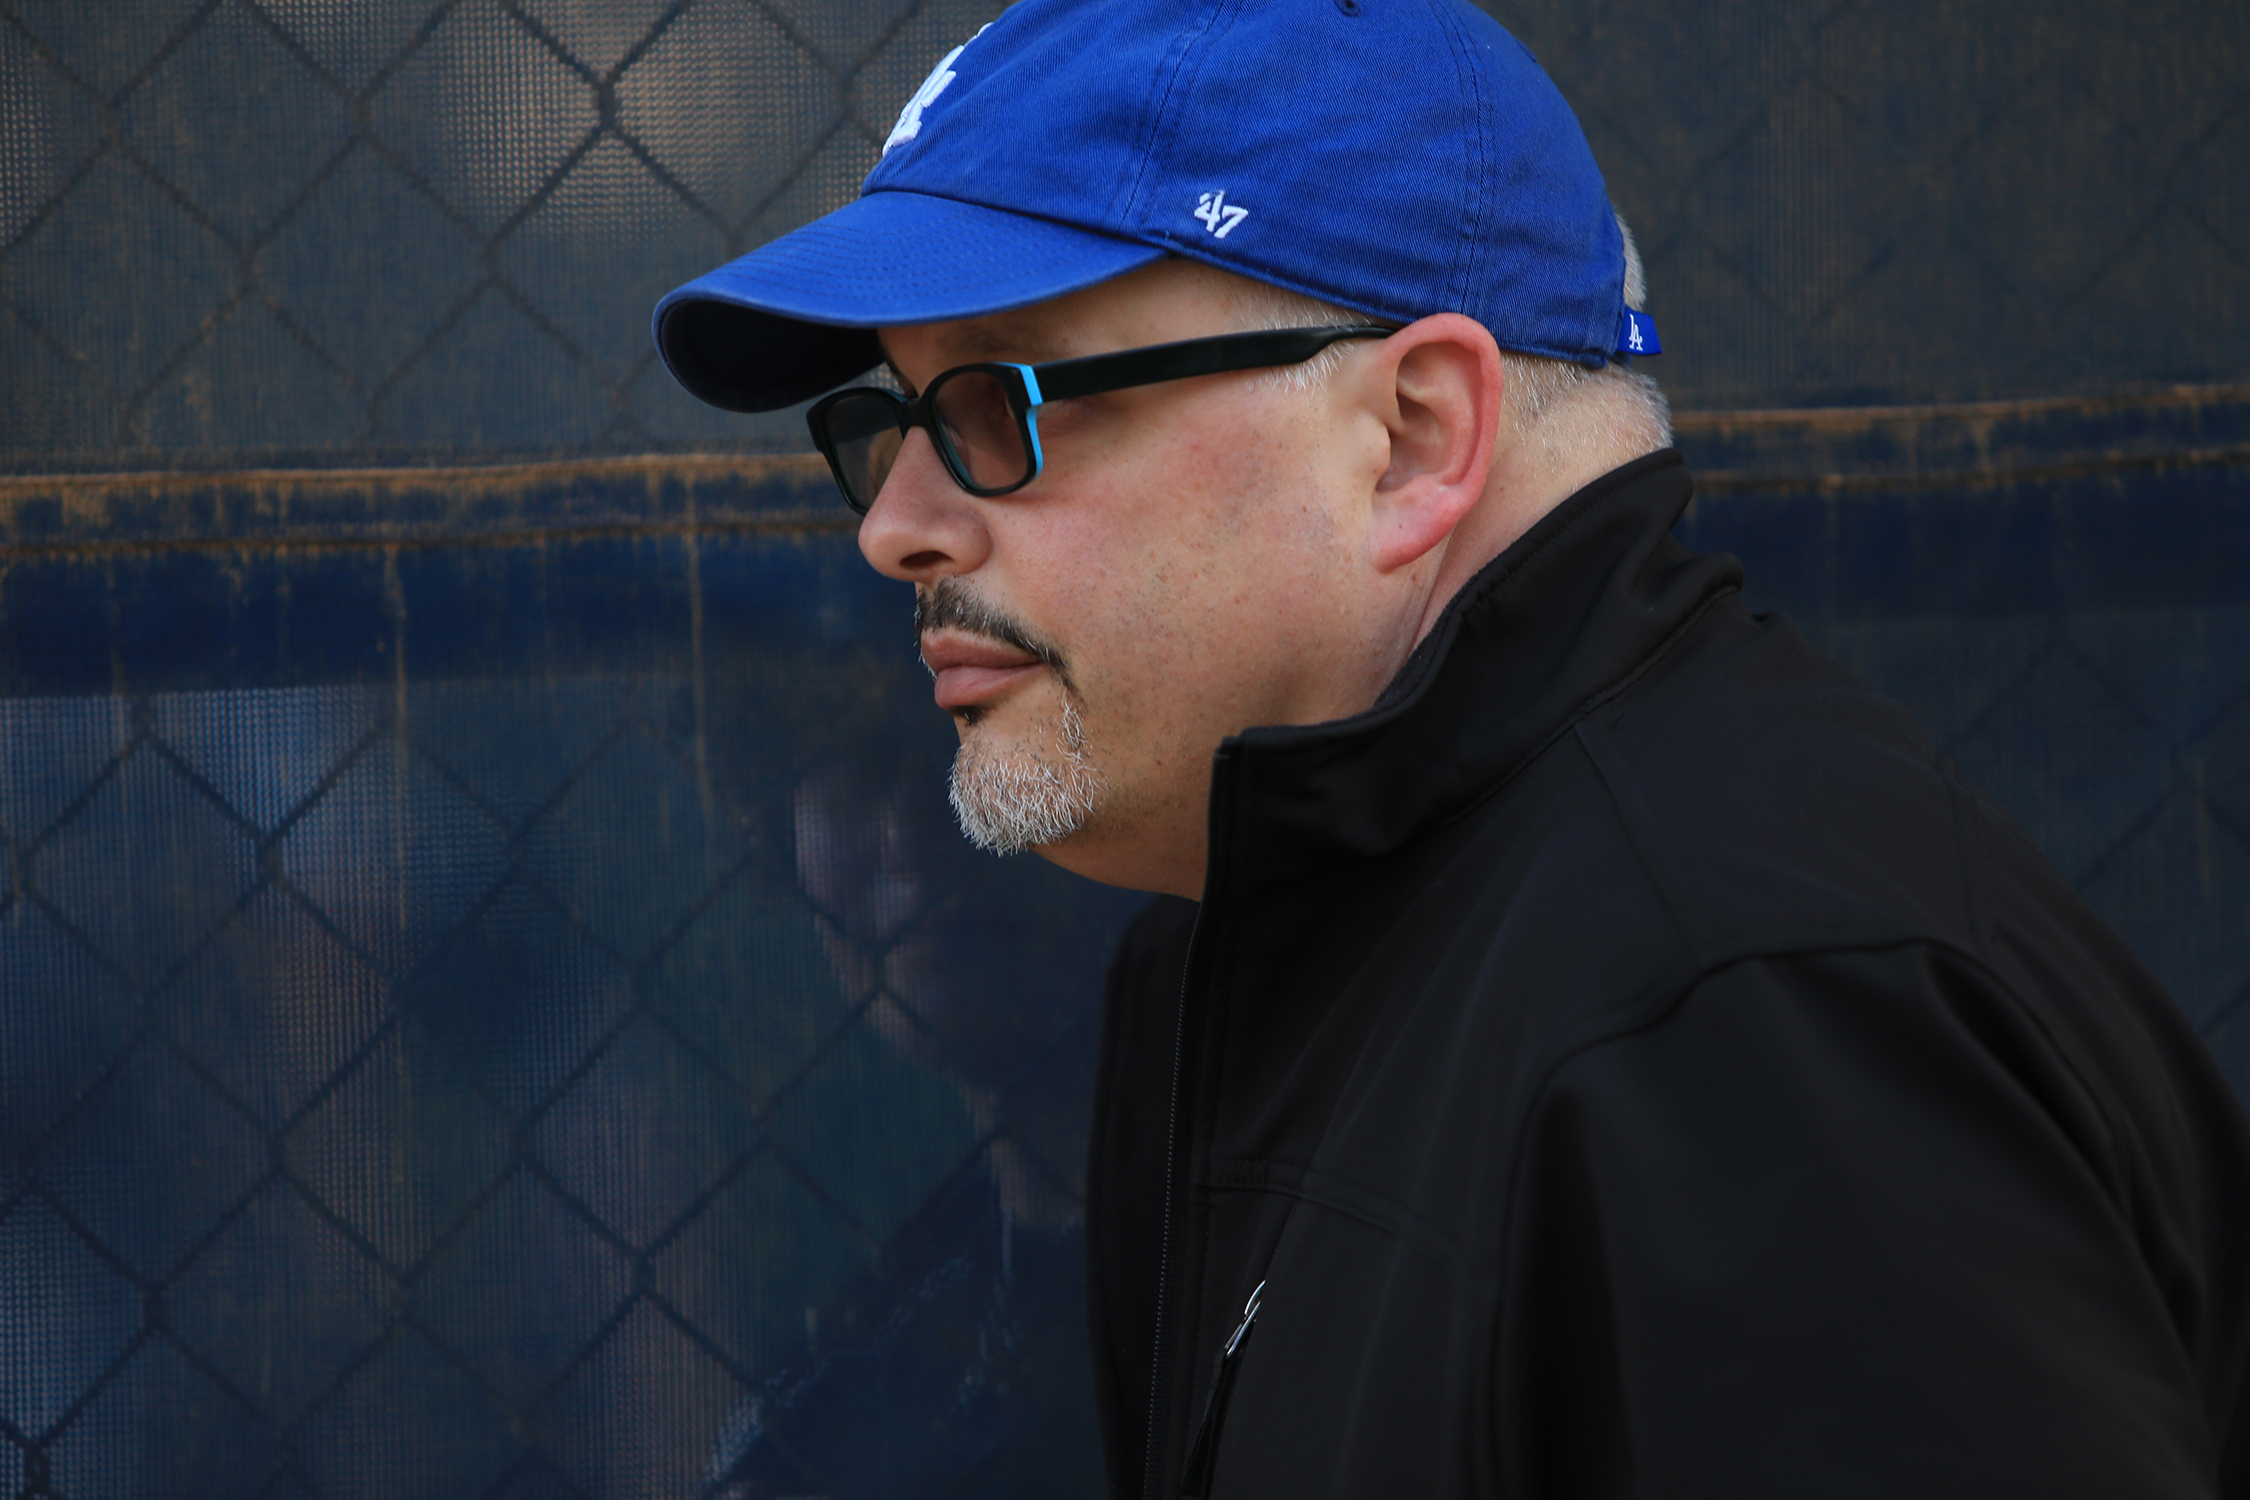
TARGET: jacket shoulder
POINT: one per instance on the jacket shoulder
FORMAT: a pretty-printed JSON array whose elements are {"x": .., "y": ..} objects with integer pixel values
[
  {"x": 1856, "y": 1201},
  {"x": 1778, "y": 804}
]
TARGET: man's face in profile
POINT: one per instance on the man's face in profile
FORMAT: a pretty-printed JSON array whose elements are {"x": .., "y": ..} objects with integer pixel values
[{"x": 1175, "y": 574}]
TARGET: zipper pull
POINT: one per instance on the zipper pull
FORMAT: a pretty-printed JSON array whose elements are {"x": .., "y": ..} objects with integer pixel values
[{"x": 1195, "y": 1478}]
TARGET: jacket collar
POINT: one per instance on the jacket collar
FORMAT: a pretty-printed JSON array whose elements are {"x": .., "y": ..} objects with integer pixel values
[{"x": 1547, "y": 629}]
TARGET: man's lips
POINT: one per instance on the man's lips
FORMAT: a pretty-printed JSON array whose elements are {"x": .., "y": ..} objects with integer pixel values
[{"x": 970, "y": 669}]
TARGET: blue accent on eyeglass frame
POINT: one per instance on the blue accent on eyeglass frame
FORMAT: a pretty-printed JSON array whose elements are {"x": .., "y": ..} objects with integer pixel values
[{"x": 1031, "y": 414}]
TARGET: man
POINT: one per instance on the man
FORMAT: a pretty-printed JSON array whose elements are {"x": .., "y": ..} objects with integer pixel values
[{"x": 1597, "y": 1048}]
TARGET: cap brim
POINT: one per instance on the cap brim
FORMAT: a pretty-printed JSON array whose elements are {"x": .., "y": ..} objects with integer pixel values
[{"x": 797, "y": 316}]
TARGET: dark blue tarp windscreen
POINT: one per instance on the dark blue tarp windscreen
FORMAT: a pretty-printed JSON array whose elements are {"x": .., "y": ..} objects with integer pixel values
[{"x": 491, "y": 1003}]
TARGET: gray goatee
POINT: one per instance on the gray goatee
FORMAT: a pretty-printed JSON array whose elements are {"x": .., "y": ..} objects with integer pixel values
[{"x": 1019, "y": 797}]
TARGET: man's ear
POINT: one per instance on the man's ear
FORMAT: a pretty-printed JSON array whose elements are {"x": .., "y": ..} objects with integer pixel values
[{"x": 1439, "y": 383}]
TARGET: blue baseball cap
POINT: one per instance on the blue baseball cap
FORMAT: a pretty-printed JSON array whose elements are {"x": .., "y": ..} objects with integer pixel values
[{"x": 1394, "y": 157}]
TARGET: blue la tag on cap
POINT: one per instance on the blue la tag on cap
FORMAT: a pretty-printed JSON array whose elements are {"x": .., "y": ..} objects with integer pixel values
[{"x": 1636, "y": 334}]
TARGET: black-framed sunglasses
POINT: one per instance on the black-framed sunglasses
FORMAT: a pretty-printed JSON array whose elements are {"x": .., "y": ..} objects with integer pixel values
[{"x": 984, "y": 418}]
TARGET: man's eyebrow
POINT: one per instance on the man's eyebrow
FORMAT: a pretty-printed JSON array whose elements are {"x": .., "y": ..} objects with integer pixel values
[
  {"x": 989, "y": 345},
  {"x": 1011, "y": 346}
]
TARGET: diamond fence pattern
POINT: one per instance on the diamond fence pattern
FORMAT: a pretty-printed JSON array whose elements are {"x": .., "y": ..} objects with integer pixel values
[
  {"x": 489, "y": 1004},
  {"x": 436, "y": 1091},
  {"x": 328, "y": 230},
  {"x": 309, "y": 228},
  {"x": 1846, "y": 202}
]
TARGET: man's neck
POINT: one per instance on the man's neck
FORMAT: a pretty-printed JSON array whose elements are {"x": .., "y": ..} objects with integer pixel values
[{"x": 1525, "y": 486}]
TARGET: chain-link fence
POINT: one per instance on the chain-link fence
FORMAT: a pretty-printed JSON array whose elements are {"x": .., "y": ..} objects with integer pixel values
[
  {"x": 489, "y": 1003},
  {"x": 308, "y": 230},
  {"x": 436, "y": 1081}
]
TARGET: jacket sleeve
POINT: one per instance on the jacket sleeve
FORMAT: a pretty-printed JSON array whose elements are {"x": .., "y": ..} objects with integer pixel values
[{"x": 1837, "y": 1225}]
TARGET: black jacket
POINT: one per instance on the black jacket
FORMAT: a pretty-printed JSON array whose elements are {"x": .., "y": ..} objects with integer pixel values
[{"x": 1635, "y": 1063}]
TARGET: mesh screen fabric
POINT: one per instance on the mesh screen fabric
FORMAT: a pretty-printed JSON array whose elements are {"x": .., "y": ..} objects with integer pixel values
[
  {"x": 498, "y": 1085},
  {"x": 489, "y": 1005},
  {"x": 312, "y": 231},
  {"x": 329, "y": 232}
]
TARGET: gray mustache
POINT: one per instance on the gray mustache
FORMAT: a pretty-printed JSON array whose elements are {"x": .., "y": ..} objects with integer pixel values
[{"x": 949, "y": 604}]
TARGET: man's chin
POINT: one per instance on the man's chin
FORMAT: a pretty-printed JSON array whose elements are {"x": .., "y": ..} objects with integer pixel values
[
  {"x": 1010, "y": 795},
  {"x": 1033, "y": 715}
]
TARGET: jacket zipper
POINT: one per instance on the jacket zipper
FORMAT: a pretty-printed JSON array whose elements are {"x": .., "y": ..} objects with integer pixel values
[
  {"x": 1195, "y": 1476},
  {"x": 1149, "y": 1478}
]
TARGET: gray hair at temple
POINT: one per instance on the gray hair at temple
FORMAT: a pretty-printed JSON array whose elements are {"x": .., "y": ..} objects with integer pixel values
[{"x": 1557, "y": 405}]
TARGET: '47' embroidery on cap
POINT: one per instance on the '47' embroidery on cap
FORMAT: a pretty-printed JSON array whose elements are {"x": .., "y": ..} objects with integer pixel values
[{"x": 1218, "y": 215}]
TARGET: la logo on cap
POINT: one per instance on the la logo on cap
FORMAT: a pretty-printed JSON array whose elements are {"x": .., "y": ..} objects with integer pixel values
[{"x": 910, "y": 118}]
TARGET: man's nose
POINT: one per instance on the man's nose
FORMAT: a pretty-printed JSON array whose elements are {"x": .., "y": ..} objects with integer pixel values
[{"x": 922, "y": 525}]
